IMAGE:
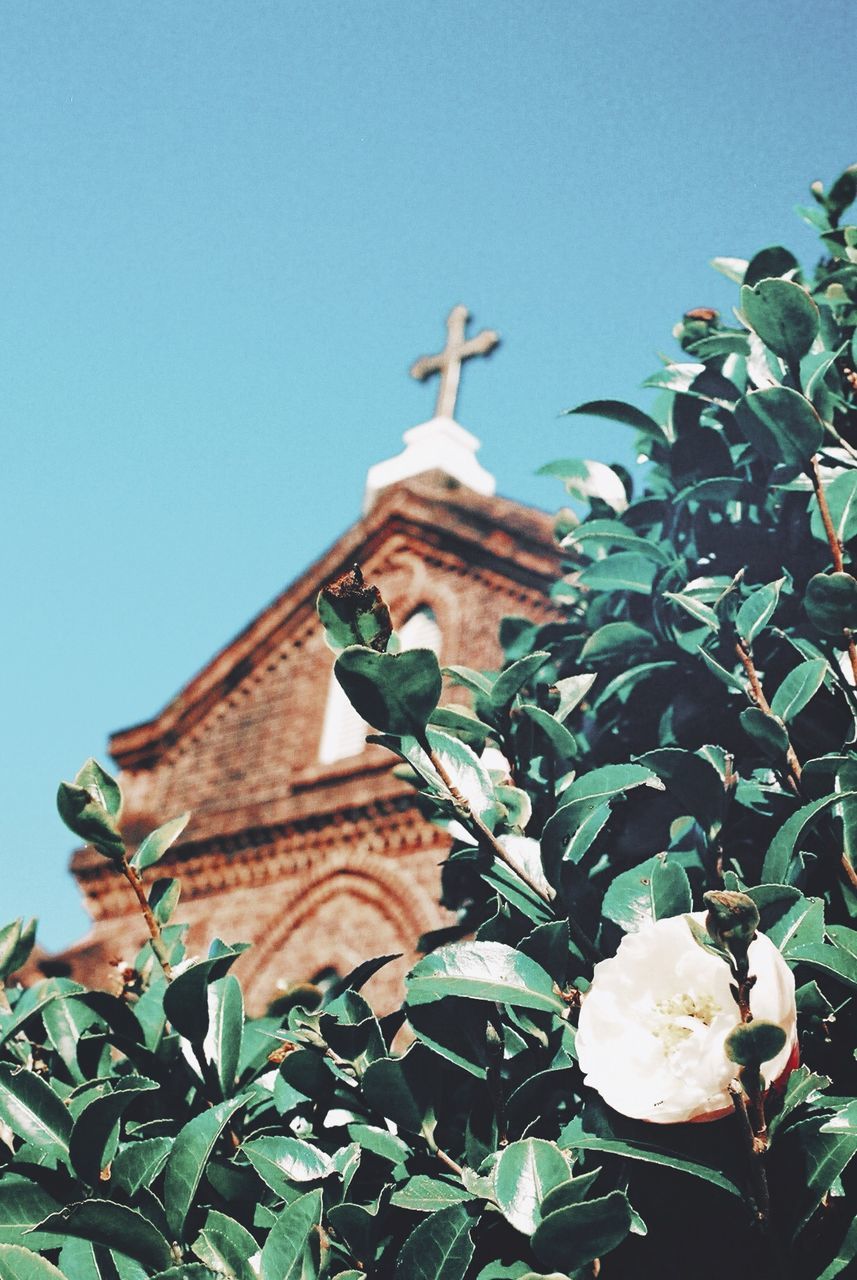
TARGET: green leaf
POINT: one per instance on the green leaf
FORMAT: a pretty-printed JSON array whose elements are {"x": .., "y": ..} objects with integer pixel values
[
  {"x": 222, "y": 1044},
  {"x": 586, "y": 480},
  {"x": 188, "y": 1158},
  {"x": 139, "y": 1162},
  {"x": 103, "y": 786},
  {"x": 622, "y": 571},
  {"x": 728, "y": 678},
  {"x": 225, "y": 1246},
  {"x": 483, "y": 971},
  {"x": 156, "y": 844},
  {"x": 440, "y": 1248},
  {"x": 83, "y": 812},
  {"x": 523, "y": 1175},
  {"x": 16, "y": 943},
  {"x": 778, "y": 858},
  {"x": 804, "y": 1087},
  {"x": 562, "y": 743},
  {"x": 616, "y": 640},
  {"x": 32, "y": 1110},
  {"x": 845, "y": 1255},
  {"x": 757, "y": 610},
  {"x": 116, "y": 1227},
  {"x": 575, "y": 1137},
  {"x": 467, "y": 773},
  {"x": 752, "y": 1043},
  {"x": 835, "y": 962},
  {"x": 510, "y": 682},
  {"x": 799, "y": 688},
  {"x": 825, "y": 1150},
  {"x": 830, "y": 601},
  {"x": 164, "y": 898},
  {"x": 652, "y": 890},
  {"x": 395, "y": 692},
  {"x": 280, "y": 1161},
  {"x": 292, "y": 1247},
  {"x": 94, "y": 1137},
  {"x": 696, "y": 608},
  {"x": 23, "y": 1204},
  {"x": 766, "y": 730},
  {"x": 18, "y": 1263},
  {"x": 186, "y": 998},
  {"x": 422, "y": 1194},
  {"x": 572, "y": 690},
  {"x": 83, "y": 1260},
  {"x": 570, "y": 1237},
  {"x": 783, "y": 315},
  {"x": 841, "y": 495},
  {"x": 612, "y": 533},
  {"x": 780, "y": 424},
  {"x": 353, "y": 613},
  {"x": 456, "y": 1029},
  {"x": 618, "y": 411},
  {"x": 773, "y": 261},
  {"x": 401, "y": 1088}
]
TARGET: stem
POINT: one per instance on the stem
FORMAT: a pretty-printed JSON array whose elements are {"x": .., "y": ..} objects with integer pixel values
[
  {"x": 449, "y": 1162},
  {"x": 758, "y": 1179},
  {"x": 578, "y": 935},
  {"x": 835, "y": 545},
  {"x": 848, "y": 868},
  {"x": 132, "y": 876},
  {"x": 758, "y": 696}
]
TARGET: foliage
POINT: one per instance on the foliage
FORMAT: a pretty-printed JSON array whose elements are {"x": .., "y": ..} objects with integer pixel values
[{"x": 686, "y": 724}]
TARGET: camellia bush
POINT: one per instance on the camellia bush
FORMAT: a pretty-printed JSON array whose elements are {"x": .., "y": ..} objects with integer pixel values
[{"x": 634, "y": 1055}]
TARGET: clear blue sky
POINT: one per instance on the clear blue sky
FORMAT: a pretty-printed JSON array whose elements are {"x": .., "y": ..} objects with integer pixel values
[{"x": 227, "y": 228}]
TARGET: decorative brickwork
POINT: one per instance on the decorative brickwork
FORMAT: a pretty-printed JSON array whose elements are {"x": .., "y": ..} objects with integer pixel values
[{"x": 319, "y": 865}]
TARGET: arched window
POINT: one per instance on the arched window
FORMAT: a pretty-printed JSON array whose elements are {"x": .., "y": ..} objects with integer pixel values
[{"x": 343, "y": 733}]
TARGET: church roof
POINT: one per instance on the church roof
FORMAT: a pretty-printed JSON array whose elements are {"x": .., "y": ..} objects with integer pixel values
[{"x": 431, "y": 509}]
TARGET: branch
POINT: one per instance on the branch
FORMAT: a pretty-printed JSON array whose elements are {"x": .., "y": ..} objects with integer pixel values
[
  {"x": 833, "y": 541},
  {"x": 758, "y": 696},
  {"x": 578, "y": 935},
  {"x": 132, "y": 876}
]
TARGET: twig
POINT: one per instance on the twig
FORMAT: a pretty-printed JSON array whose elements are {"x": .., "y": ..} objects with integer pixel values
[
  {"x": 578, "y": 934},
  {"x": 448, "y": 1161},
  {"x": 758, "y": 696},
  {"x": 132, "y": 876},
  {"x": 758, "y": 1179},
  {"x": 835, "y": 545},
  {"x": 848, "y": 868}
]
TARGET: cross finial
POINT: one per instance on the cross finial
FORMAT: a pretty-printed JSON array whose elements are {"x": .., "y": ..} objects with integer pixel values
[{"x": 448, "y": 362}]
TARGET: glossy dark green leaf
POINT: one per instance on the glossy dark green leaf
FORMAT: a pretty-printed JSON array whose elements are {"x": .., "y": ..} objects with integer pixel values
[
  {"x": 188, "y": 1158},
  {"x": 846, "y": 1253},
  {"x": 773, "y": 261},
  {"x": 84, "y": 1260},
  {"x": 156, "y": 844},
  {"x": 440, "y": 1248},
  {"x": 562, "y": 744},
  {"x": 617, "y": 641},
  {"x": 94, "y": 1137},
  {"x": 830, "y": 601},
  {"x": 781, "y": 424},
  {"x": 787, "y": 840},
  {"x": 619, "y": 411},
  {"x": 653, "y": 890},
  {"x": 766, "y": 731},
  {"x": 23, "y": 1204},
  {"x": 225, "y": 1246},
  {"x": 757, "y": 610},
  {"x": 799, "y": 688},
  {"x": 292, "y": 1248},
  {"x": 574, "y": 1136},
  {"x": 753, "y": 1043},
  {"x": 585, "y": 479},
  {"x": 65, "y": 1021},
  {"x": 841, "y": 495},
  {"x": 622, "y": 571},
  {"x": 103, "y": 786},
  {"x": 783, "y": 315},
  {"x": 394, "y": 692},
  {"x": 139, "y": 1162},
  {"x": 186, "y": 997},
  {"x": 572, "y": 691},
  {"x": 510, "y": 682},
  {"x": 422, "y": 1194},
  {"x": 697, "y": 609},
  {"x": 280, "y": 1161},
  {"x": 466, "y": 772},
  {"x": 594, "y": 535},
  {"x": 455, "y": 1029},
  {"x": 834, "y": 962},
  {"x": 19, "y": 1263},
  {"x": 523, "y": 1175},
  {"x": 83, "y": 812},
  {"x": 116, "y": 1226},
  {"x": 401, "y": 1089},
  {"x": 570, "y": 1237},
  {"x": 32, "y": 1110},
  {"x": 222, "y": 1045},
  {"x": 16, "y": 943},
  {"x": 483, "y": 971}
]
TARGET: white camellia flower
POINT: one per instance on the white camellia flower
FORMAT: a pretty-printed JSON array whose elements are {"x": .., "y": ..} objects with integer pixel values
[{"x": 653, "y": 1024}]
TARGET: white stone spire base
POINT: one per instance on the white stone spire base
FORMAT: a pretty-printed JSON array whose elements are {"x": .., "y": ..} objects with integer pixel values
[{"x": 441, "y": 444}]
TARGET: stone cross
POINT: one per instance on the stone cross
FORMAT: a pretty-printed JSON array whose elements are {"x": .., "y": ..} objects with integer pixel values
[{"x": 448, "y": 362}]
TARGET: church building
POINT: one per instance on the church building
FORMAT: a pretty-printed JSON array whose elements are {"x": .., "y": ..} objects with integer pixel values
[{"x": 302, "y": 841}]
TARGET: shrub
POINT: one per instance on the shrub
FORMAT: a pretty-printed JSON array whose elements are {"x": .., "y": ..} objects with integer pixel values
[{"x": 680, "y": 738}]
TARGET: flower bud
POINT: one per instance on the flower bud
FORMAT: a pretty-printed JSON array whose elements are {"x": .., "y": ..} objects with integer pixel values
[{"x": 732, "y": 919}]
